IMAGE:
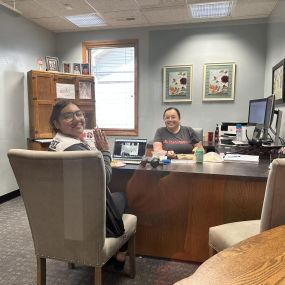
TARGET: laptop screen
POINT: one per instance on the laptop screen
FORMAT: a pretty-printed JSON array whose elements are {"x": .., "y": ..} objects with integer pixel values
[{"x": 129, "y": 148}]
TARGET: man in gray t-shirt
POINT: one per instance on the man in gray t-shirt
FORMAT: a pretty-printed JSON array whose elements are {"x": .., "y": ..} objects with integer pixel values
[{"x": 181, "y": 142}]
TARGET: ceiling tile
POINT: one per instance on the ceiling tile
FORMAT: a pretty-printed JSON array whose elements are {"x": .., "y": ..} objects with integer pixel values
[
  {"x": 167, "y": 15},
  {"x": 120, "y": 18},
  {"x": 113, "y": 5},
  {"x": 59, "y": 7}
]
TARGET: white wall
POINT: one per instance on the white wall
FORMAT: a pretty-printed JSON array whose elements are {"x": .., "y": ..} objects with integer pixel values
[
  {"x": 275, "y": 50},
  {"x": 244, "y": 44},
  {"x": 21, "y": 43}
]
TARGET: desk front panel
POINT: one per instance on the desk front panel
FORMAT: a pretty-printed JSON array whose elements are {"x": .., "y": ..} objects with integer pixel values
[{"x": 177, "y": 204}]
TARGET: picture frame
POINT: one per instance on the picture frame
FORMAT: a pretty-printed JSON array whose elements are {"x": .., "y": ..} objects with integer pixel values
[
  {"x": 52, "y": 63},
  {"x": 85, "y": 69},
  {"x": 76, "y": 68},
  {"x": 219, "y": 81},
  {"x": 177, "y": 83},
  {"x": 85, "y": 90},
  {"x": 278, "y": 78},
  {"x": 66, "y": 67}
]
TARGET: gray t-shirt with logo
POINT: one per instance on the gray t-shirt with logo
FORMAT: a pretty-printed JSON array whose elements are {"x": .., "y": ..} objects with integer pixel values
[{"x": 181, "y": 142}]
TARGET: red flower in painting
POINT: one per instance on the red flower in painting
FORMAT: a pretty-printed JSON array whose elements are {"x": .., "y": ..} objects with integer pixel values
[
  {"x": 183, "y": 81},
  {"x": 225, "y": 79}
]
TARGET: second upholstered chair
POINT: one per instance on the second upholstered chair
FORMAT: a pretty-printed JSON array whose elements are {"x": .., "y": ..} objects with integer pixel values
[
  {"x": 64, "y": 196},
  {"x": 273, "y": 214}
]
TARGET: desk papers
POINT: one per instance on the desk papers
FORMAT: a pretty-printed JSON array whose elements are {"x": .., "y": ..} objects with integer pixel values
[{"x": 241, "y": 158}]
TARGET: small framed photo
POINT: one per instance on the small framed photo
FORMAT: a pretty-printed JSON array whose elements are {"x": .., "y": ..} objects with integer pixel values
[
  {"x": 76, "y": 68},
  {"x": 219, "y": 82},
  {"x": 52, "y": 63},
  {"x": 66, "y": 68},
  {"x": 85, "y": 90},
  {"x": 278, "y": 77},
  {"x": 177, "y": 83},
  {"x": 85, "y": 69}
]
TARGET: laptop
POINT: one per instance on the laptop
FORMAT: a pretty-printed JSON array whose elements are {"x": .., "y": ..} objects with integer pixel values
[{"x": 129, "y": 151}]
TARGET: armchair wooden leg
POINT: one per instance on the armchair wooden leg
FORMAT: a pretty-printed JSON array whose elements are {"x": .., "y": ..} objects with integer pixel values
[
  {"x": 132, "y": 255},
  {"x": 97, "y": 275},
  {"x": 41, "y": 271}
]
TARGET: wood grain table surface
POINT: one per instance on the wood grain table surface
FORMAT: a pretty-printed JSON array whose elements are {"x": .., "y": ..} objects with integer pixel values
[{"x": 254, "y": 261}]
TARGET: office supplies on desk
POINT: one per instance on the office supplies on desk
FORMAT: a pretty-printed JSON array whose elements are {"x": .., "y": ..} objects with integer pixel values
[
  {"x": 129, "y": 151},
  {"x": 241, "y": 158}
]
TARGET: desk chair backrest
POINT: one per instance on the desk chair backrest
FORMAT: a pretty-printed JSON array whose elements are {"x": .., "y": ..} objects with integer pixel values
[
  {"x": 273, "y": 210},
  {"x": 199, "y": 132},
  {"x": 64, "y": 196}
]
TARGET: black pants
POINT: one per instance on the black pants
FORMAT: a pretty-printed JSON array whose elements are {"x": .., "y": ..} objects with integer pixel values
[{"x": 120, "y": 201}]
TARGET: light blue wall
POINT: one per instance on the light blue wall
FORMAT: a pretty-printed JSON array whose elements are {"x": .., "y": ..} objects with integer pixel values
[
  {"x": 244, "y": 44},
  {"x": 21, "y": 43},
  {"x": 275, "y": 50}
]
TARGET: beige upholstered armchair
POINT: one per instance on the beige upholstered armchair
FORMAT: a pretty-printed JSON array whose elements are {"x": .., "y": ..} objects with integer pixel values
[
  {"x": 273, "y": 214},
  {"x": 64, "y": 197}
]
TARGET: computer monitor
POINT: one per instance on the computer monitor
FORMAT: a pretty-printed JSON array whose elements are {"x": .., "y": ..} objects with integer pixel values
[{"x": 260, "y": 112}]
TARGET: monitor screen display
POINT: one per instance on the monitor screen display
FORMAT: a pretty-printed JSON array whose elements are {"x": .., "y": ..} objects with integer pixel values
[
  {"x": 260, "y": 111},
  {"x": 257, "y": 111}
]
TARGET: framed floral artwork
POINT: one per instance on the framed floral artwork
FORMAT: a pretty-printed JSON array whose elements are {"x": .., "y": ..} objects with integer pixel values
[
  {"x": 219, "y": 82},
  {"x": 278, "y": 77},
  {"x": 177, "y": 83}
]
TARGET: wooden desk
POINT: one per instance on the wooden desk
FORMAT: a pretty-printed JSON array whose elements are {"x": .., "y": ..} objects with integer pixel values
[
  {"x": 257, "y": 260},
  {"x": 176, "y": 204}
]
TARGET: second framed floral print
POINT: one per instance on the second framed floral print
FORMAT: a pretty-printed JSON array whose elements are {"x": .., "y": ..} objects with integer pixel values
[{"x": 219, "y": 82}]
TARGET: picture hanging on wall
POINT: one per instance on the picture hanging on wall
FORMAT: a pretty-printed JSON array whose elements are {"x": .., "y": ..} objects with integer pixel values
[
  {"x": 219, "y": 82},
  {"x": 278, "y": 77},
  {"x": 177, "y": 83}
]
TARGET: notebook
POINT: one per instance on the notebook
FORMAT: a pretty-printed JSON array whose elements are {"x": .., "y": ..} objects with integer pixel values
[{"x": 129, "y": 151}]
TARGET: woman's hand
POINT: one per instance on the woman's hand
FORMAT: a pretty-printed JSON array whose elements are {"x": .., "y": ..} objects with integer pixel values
[{"x": 100, "y": 140}]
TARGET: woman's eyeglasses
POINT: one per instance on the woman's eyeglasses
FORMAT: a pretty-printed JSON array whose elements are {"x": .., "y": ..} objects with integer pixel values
[{"x": 69, "y": 116}]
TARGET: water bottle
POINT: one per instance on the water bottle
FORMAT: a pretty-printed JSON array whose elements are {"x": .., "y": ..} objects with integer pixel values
[{"x": 238, "y": 132}]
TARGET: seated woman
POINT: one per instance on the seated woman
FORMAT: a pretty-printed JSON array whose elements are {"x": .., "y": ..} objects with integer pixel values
[
  {"x": 68, "y": 121},
  {"x": 174, "y": 138}
]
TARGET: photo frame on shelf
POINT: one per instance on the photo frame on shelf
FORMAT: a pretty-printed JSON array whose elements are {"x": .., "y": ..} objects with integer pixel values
[
  {"x": 52, "y": 63},
  {"x": 66, "y": 67},
  {"x": 278, "y": 77},
  {"x": 177, "y": 83},
  {"x": 85, "y": 91},
  {"x": 219, "y": 82},
  {"x": 76, "y": 68},
  {"x": 85, "y": 69}
]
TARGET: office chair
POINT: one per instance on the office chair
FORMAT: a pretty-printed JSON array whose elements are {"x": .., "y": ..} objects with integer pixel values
[
  {"x": 65, "y": 200},
  {"x": 273, "y": 214}
]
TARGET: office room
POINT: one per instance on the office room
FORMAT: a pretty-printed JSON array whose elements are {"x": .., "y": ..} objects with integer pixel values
[{"x": 174, "y": 208}]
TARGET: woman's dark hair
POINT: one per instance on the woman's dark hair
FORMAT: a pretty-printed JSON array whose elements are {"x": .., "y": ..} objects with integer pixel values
[
  {"x": 172, "y": 108},
  {"x": 56, "y": 111}
]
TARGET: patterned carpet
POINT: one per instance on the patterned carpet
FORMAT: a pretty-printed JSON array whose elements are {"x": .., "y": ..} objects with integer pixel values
[{"x": 18, "y": 263}]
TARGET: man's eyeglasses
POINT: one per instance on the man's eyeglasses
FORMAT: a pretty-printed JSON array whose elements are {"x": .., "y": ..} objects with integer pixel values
[{"x": 69, "y": 116}]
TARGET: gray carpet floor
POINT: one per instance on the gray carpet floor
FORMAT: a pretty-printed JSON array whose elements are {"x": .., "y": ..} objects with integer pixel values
[{"x": 18, "y": 263}]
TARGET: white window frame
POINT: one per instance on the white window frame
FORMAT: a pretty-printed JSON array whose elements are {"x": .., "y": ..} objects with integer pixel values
[{"x": 86, "y": 47}]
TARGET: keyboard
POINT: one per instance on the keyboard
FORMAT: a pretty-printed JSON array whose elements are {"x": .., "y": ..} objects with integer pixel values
[{"x": 263, "y": 152}]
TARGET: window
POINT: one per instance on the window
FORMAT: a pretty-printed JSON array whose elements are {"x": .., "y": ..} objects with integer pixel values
[{"x": 114, "y": 66}]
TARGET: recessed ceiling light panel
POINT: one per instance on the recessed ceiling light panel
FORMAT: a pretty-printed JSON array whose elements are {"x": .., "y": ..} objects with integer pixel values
[
  {"x": 211, "y": 9},
  {"x": 86, "y": 20}
]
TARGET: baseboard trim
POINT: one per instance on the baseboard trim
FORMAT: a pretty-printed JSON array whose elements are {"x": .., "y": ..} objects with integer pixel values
[{"x": 9, "y": 196}]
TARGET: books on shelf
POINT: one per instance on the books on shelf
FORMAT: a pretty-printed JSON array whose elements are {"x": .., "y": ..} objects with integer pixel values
[{"x": 241, "y": 158}]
